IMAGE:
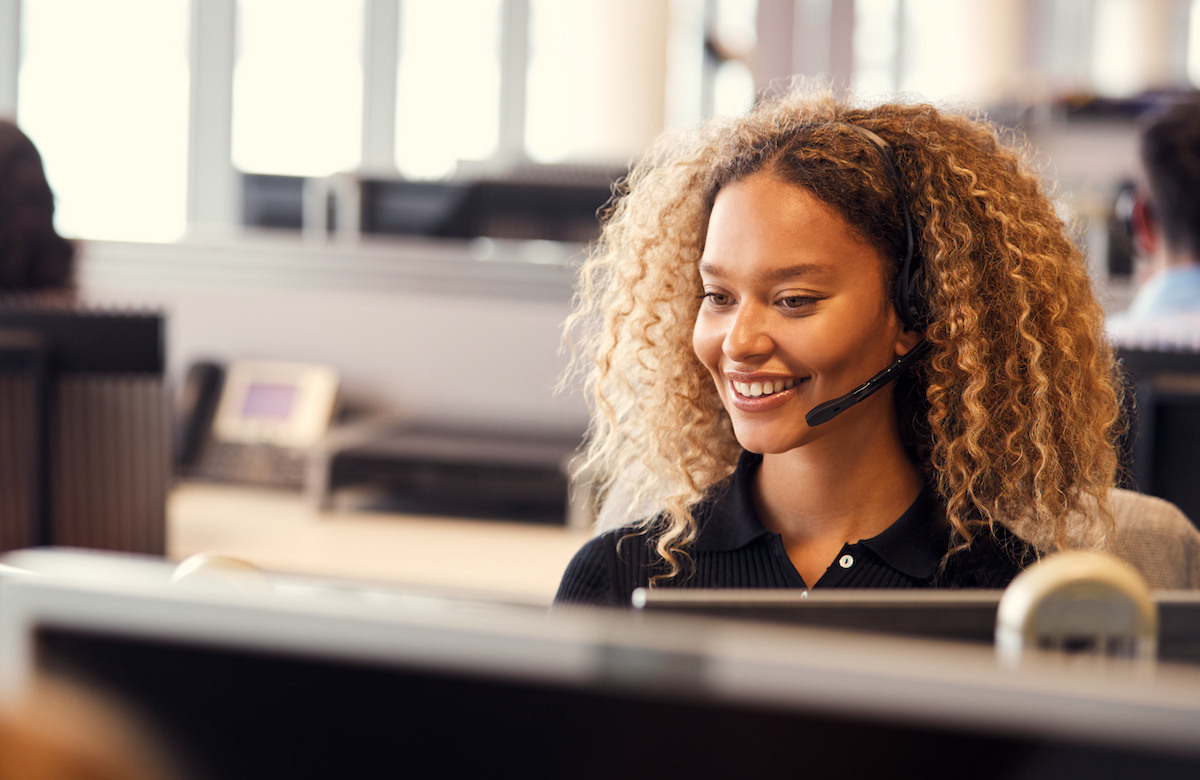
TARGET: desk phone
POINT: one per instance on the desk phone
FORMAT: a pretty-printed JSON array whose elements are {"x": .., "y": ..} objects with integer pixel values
[{"x": 253, "y": 420}]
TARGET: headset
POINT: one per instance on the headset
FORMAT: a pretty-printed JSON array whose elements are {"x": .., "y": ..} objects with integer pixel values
[{"x": 906, "y": 293}]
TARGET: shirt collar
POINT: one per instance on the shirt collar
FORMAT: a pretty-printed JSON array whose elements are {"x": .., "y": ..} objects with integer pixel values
[
  {"x": 916, "y": 543},
  {"x": 728, "y": 519},
  {"x": 913, "y": 545},
  {"x": 1175, "y": 288}
]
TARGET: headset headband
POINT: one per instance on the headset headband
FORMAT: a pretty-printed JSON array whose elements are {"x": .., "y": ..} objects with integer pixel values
[{"x": 909, "y": 302}]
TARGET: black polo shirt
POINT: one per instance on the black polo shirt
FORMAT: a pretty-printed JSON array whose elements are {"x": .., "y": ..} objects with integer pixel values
[{"x": 733, "y": 550}]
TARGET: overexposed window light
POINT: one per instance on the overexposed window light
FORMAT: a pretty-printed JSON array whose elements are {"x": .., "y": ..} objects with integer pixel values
[
  {"x": 876, "y": 48},
  {"x": 1116, "y": 69},
  {"x": 565, "y": 58},
  {"x": 448, "y": 85},
  {"x": 298, "y": 87},
  {"x": 595, "y": 81},
  {"x": 734, "y": 90},
  {"x": 106, "y": 102},
  {"x": 1193, "y": 45}
]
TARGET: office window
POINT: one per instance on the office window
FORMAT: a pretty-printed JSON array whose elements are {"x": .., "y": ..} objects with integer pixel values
[
  {"x": 564, "y": 58},
  {"x": 1067, "y": 44},
  {"x": 597, "y": 70},
  {"x": 298, "y": 86},
  {"x": 876, "y": 47},
  {"x": 974, "y": 52},
  {"x": 447, "y": 85},
  {"x": 103, "y": 92},
  {"x": 735, "y": 29},
  {"x": 1192, "y": 57},
  {"x": 1120, "y": 66},
  {"x": 940, "y": 49}
]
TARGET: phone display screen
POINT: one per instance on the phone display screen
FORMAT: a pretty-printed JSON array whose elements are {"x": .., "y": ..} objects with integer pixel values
[
  {"x": 268, "y": 401},
  {"x": 277, "y": 403}
]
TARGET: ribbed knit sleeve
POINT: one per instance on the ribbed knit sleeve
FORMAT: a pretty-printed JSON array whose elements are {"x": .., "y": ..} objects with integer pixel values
[
  {"x": 606, "y": 570},
  {"x": 586, "y": 578}
]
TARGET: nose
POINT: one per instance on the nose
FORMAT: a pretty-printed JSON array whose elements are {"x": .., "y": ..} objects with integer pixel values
[{"x": 748, "y": 335}]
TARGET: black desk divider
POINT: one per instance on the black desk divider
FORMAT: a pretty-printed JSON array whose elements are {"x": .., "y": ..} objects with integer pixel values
[
  {"x": 1160, "y": 451},
  {"x": 83, "y": 428}
]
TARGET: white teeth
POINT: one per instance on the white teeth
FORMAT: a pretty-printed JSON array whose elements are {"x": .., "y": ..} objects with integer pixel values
[{"x": 757, "y": 389}]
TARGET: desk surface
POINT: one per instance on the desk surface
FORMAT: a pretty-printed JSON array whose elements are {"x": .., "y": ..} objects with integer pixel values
[{"x": 282, "y": 531}]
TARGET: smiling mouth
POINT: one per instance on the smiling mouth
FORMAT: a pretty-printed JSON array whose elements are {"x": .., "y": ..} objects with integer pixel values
[{"x": 758, "y": 389}]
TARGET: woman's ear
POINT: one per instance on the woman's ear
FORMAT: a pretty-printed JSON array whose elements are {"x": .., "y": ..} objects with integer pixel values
[{"x": 907, "y": 339}]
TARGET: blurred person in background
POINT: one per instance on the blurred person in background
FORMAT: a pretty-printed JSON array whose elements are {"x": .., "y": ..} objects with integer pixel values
[
  {"x": 1165, "y": 222},
  {"x": 34, "y": 258}
]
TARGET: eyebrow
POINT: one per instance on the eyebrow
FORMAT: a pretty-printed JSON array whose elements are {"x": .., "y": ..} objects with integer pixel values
[{"x": 777, "y": 275}]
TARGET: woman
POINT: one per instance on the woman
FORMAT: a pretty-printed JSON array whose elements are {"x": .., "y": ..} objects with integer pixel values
[{"x": 762, "y": 267}]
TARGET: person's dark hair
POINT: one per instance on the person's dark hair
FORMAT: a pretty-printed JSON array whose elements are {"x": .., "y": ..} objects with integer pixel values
[
  {"x": 33, "y": 256},
  {"x": 1170, "y": 151}
]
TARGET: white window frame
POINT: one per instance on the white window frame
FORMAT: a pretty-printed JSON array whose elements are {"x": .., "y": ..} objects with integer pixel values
[
  {"x": 10, "y": 55},
  {"x": 213, "y": 186}
]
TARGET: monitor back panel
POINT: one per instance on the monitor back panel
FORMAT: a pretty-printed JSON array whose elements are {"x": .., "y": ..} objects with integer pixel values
[{"x": 965, "y": 616}]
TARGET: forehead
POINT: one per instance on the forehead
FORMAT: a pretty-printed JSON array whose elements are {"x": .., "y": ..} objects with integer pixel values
[{"x": 770, "y": 229}]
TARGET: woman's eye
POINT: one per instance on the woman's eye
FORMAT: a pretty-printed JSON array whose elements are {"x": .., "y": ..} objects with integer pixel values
[
  {"x": 716, "y": 298},
  {"x": 797, "y": 301}
]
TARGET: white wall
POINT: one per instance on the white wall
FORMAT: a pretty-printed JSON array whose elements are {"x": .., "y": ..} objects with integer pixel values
[{"x": 419, "y": 330}]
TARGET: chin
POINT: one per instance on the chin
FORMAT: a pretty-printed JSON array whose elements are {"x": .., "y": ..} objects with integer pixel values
[{"x": 769, "y": 444}]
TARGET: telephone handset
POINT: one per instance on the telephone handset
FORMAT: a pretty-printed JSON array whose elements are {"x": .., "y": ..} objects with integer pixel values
[
  {"x": 253, "y": 421},
  {"x": 197, "y": 404}
]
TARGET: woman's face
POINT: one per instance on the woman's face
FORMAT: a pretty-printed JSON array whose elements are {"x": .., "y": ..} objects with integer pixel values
[{"x": 794, "y": 314}]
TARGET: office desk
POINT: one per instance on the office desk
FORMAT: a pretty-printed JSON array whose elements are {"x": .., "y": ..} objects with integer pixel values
[{"x": 282, "y": 531}]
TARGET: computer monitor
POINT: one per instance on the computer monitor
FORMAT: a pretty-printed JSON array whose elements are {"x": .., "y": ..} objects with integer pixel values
[
  {"x": 493, "y": 207},
  {"x": 960, "y": 615},
  {"x": 539, "y": 210},
  {"x": 1160, "y": 449},
  {"x": 255, "y": 683},
  {"x": 272, "y": 201},
  {"x": 534, "y": 202},
  {"x": 954, "y": 615},
  {"x": 434, "y": 209}
]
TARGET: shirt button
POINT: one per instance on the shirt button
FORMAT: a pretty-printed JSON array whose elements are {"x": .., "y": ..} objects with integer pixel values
[
  {"x": 846, "y": 561},
  {"x": 803, "y": 594}
]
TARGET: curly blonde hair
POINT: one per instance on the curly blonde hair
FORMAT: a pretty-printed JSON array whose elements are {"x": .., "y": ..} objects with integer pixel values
[{"x": 1012, "y": 415}]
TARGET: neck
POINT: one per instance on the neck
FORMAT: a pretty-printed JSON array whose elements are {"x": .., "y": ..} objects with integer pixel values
[
  {"x": 1174, "y": 257},
  {"x": 838, "y": 491}
]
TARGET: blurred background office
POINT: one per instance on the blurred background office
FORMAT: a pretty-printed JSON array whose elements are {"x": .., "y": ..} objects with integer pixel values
[{"x": 396, "y": 190}]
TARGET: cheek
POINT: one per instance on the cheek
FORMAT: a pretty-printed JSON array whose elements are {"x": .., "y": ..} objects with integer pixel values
[
  {"x": 859, "y": 342},
  {"x": 825, "y": 346},
  {"x": 706, "y": 343}
]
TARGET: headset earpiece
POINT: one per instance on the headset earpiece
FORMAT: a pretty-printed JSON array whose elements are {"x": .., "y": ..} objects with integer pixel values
[
  {"x": 907, "y": 290},
  {"x": 910, "y": 300},
  {"x": 910, "y": 303}
]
